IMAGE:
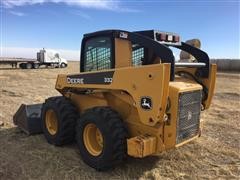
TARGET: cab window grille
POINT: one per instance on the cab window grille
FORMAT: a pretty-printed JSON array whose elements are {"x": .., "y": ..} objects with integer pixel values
[
  {"x": 97, "y": 54},
  {"x": 137, "y": 55}
]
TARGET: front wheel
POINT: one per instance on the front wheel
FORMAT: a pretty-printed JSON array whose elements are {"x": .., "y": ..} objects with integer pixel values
[
  {"x": 58, "y": 120},
  {"x": 63, "y": 65},
  {"x": 101, "y": 138}
]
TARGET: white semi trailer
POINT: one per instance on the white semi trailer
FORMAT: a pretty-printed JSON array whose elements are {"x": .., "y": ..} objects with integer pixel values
[{"x": 44, "y": 57}]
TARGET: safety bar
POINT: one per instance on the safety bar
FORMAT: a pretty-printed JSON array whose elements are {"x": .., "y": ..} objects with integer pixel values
[{"x": 190, "y": 65}]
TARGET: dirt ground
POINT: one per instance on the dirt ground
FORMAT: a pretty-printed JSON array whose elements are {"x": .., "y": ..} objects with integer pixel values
[{"x": 215, "y": 155}]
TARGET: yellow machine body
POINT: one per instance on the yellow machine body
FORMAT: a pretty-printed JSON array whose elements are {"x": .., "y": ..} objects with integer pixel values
[{"x": 153, "y": 130}]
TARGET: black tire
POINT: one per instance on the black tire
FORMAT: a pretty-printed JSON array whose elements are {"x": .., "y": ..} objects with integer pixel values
[
  {"x": 22, "y": 65},
  {"x": 28, "y": 66},
  {"x": 35, "y": 66},
  {"x": 63, "y": 65},
  {"x": 114, "y": 134},
  {"x": 66, "y": 114}
]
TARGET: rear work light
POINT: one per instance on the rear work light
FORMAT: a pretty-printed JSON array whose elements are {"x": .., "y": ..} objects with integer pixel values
[
  {"x": 176, "y": 38},
  {"x": 167, "y": 38},
  {"x": 161, "y": 37}
]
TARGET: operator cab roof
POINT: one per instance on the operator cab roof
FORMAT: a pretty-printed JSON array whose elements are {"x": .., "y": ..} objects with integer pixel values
[
  {"x": 162, "y": 37},
  {"x": 159, "y": 42}
]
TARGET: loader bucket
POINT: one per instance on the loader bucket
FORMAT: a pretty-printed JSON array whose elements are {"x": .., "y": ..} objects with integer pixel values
[{"x": 28, "y": 118}]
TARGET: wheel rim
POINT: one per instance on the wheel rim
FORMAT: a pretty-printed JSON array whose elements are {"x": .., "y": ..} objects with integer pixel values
[
  {"x": 93, "y": 139},
  {"x": 51, "y": 122}
]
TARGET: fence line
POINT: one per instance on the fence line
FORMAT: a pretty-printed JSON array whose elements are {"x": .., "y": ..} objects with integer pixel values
[{"x": 227, "y": 64}]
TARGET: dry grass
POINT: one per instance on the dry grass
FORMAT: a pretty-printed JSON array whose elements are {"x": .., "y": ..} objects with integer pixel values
[{"x": 214, "y": 155}]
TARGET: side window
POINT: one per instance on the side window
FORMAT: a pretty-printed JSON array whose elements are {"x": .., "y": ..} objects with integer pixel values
[
  {"x": 97, "y": 54},
  {"x": 137, "y": 55},
  {"x": 143, "y": 56}
]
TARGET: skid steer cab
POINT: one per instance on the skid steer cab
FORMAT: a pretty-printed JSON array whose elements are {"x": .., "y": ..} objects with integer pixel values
[{"x": 131, "y": 98}]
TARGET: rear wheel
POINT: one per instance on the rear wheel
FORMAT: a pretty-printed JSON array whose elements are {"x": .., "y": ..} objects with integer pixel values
[
  {"x": 35, "y": 65},
  {"x": 58, "y": 120},
  {"x": 22, "y": 65},
  {"x": 28, "y": 66},
  {"x": 101, "y": 138}
]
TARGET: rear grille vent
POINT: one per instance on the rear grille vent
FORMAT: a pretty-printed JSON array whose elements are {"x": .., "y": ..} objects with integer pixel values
[{"x": 188, "y": 115}]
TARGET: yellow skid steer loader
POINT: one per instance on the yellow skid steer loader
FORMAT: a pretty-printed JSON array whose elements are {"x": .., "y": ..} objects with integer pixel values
[{"x": 130, "y": 98}]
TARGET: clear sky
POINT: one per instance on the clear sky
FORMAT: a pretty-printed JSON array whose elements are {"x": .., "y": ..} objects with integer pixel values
[{"x": 60, "y": 24}]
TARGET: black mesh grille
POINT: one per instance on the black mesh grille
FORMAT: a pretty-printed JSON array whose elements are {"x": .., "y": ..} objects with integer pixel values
[
  {"x": 188, "y": 115},
  {"x": 97, "y": 54},
  {"x": 97, "y": 59},
  {"x": 137, "y": 56}
]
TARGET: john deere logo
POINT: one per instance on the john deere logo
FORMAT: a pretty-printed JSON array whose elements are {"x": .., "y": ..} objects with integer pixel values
[
  {"x": 146, "y": 103},
  {"x": 123, "y": 35},
  {"x": 189, "y": 116}
]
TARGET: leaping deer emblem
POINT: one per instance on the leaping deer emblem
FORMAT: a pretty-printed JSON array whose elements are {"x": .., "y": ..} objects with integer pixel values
[{"x": 146, "y": 104}]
